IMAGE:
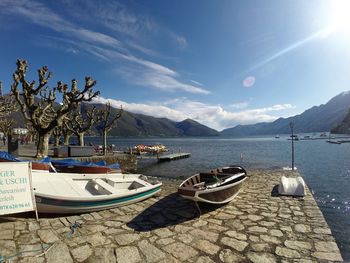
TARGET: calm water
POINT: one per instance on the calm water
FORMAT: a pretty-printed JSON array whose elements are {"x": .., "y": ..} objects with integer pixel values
[{"x": 325, "y": 168}]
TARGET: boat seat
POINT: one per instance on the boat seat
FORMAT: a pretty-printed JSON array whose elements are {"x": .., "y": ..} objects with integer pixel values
[
  {"x": 56, "y": 186},
  {"x": 199, "y": 185},
  {"x": 105, "y": 186}
]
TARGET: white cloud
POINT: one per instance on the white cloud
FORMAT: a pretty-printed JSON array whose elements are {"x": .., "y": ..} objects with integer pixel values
[
  {"x": 239, "y": 105},
  {"x": 146, "y": 73},
  {"x": 196, "y": 82},
  {"x": 213, "y": 116},
  {"x": 180, "y": 41},
  {"x": 43, "y": 16},
  {"x": 139, "y": 71},
  {"x": 111, "y": 14}
]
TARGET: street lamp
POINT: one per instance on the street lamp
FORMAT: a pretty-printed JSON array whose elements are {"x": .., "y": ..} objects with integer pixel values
[{"x": 291, "y": 125}]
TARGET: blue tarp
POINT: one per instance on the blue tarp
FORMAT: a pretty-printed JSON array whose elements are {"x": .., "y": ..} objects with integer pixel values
[
  {"x": 71, "y": 161},
  {"x": 9, "y": 157}
]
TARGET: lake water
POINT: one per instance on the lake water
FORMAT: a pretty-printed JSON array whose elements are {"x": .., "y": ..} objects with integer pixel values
[{"x": 325, "y": 167}]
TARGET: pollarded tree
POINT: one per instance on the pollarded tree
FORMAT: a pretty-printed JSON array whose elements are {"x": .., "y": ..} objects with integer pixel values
[
  {"x": 80, "y": 123},
  {"x": 7, "y": 106},
  {"x": 38, "y": 103},
  {"x": 57, "y": 134},
  {"x": 107, "y": 121}
]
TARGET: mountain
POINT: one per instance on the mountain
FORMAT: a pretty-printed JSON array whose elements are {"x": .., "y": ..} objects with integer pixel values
[
  {"x": 139, "y": 125},
  {"x": 316, "y": 119},
  {"x": 344, "y": 126}
]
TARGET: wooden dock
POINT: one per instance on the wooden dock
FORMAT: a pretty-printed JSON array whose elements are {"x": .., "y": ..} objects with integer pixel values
[{"x": 173, "y": 156}]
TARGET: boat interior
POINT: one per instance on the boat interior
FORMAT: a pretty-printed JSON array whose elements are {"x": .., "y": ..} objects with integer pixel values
[
  {"x": 203, "y": 180},
  {"x": 87, "y": 187}
]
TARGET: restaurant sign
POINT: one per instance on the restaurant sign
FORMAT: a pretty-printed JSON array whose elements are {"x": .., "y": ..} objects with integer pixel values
[{"x": 16, "y": 194}]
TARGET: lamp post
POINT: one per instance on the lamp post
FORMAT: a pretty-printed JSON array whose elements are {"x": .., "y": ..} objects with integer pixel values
[{"x": 291, "y": 125}]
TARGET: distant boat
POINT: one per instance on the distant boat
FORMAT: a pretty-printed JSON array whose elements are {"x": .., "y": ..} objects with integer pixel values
[
  {"x": 334, "y": 142},
  {"x": 277, "y": 136},
  {"x": 151, "y": 149},
  {"x": 219, "y": 186},
  {"x": 323, "y": 134},
  {"x": 70, "y": 193},
  {"x": 294, "y": 137}
]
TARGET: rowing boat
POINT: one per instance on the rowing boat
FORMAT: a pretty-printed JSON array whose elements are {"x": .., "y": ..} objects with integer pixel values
[
  {"x": 69, "y": 193},
  {"x": 218, "y": 186}
]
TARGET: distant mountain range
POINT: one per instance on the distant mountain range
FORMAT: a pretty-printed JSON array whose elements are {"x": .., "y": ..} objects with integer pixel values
[
  {"x": 139, "y": 125},
  {"x": 316, "y": 119},
  {"x": 131, "y": 124},
  {"x": 334, "y": 115}
]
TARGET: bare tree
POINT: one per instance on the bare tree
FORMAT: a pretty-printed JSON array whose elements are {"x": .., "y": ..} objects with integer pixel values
[
  {"x": 80, "y": 123},
  {"x": 107, "y": 122},
  {"x": 38, "y": 103},
  {"x": 57, "y": 134},
  {"x": 7, "y": 106}
]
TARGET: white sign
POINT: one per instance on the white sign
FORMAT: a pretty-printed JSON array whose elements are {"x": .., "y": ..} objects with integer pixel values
[{"x": 16, "y": 194}]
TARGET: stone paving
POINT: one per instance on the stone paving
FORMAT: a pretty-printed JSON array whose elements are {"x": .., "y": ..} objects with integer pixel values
[{"x": 258, "y": 226}]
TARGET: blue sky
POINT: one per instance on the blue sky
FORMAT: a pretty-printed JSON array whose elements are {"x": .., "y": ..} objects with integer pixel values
[{"x": 221, "y": 63}]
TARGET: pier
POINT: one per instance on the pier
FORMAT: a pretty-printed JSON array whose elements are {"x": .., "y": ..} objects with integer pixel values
[
  {"x": 173, "y": 156},
  {"x": 257, "y": 226}
]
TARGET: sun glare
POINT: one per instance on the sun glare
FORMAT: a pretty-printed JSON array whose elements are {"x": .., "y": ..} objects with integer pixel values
[{"x": 340, "y": 15}]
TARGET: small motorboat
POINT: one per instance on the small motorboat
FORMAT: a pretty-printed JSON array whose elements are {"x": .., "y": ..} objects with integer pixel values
[
  {"x": 218, "y": 186},
  {"x": 74, "y": 166},
  {"x": 69, "y": 193},
  {"x": 42, "y": 165},
  {"x": 149, "y": 149}
]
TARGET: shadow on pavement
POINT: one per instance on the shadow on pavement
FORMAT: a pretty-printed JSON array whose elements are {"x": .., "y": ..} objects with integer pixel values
[{"x": 168, "y": 211}]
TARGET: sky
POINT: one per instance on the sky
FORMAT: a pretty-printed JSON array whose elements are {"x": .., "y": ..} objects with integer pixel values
[{"x": 221, "y": 63}]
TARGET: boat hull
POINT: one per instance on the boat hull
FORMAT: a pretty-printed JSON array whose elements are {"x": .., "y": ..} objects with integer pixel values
[
  {"x": 40, "y": 166},
  {"x": 219, "y": 195},
  {"x": 61, "y": 206},
  {"x": 70, "y": 193},
  {"x": 83, "y": 169},
  {"x": 220, "y": 186}
]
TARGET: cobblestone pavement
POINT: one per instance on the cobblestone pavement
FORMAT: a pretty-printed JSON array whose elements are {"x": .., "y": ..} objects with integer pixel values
[{"x": 257, "y": 226}]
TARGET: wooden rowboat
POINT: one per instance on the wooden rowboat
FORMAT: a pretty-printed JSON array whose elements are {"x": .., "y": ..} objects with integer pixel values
[
  {"x": 74, "y": 166},
  {"x": 218, "y": 186},
  {"x": 69, "y": 193}
]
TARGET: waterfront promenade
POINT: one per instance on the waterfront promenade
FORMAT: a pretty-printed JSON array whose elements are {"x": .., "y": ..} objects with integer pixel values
[{"x": 258, "y": 226}]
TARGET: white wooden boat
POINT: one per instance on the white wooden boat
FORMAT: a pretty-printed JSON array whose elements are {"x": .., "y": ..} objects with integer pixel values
[
  {"x": 219, "y": 186},
  {"x": 68, "y": 193}
]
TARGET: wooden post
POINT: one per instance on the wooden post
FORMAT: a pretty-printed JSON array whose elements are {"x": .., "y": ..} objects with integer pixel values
[{"x": 291, "y": 124}]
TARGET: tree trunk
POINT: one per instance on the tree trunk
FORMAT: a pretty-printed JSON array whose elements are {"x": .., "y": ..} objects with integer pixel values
[
  {"x": 81, "y": 139},
  {"x": 66, "y": 139},
  {"x": 43, "y": 145},
  {"x": 105, "y": 142},
  {"x": 57, "y": 140}
]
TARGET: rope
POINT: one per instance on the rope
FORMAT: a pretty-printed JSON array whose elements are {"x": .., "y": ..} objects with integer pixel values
[
  {"x": 46, "y": 247},
  {"x": 73, "y": 227}
]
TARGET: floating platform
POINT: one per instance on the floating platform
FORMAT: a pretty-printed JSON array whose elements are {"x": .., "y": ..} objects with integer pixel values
[{"x": 174, "y": 156}]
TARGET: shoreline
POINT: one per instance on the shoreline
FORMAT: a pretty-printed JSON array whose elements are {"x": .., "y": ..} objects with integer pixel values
[{"x": 257, "y": 225}]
